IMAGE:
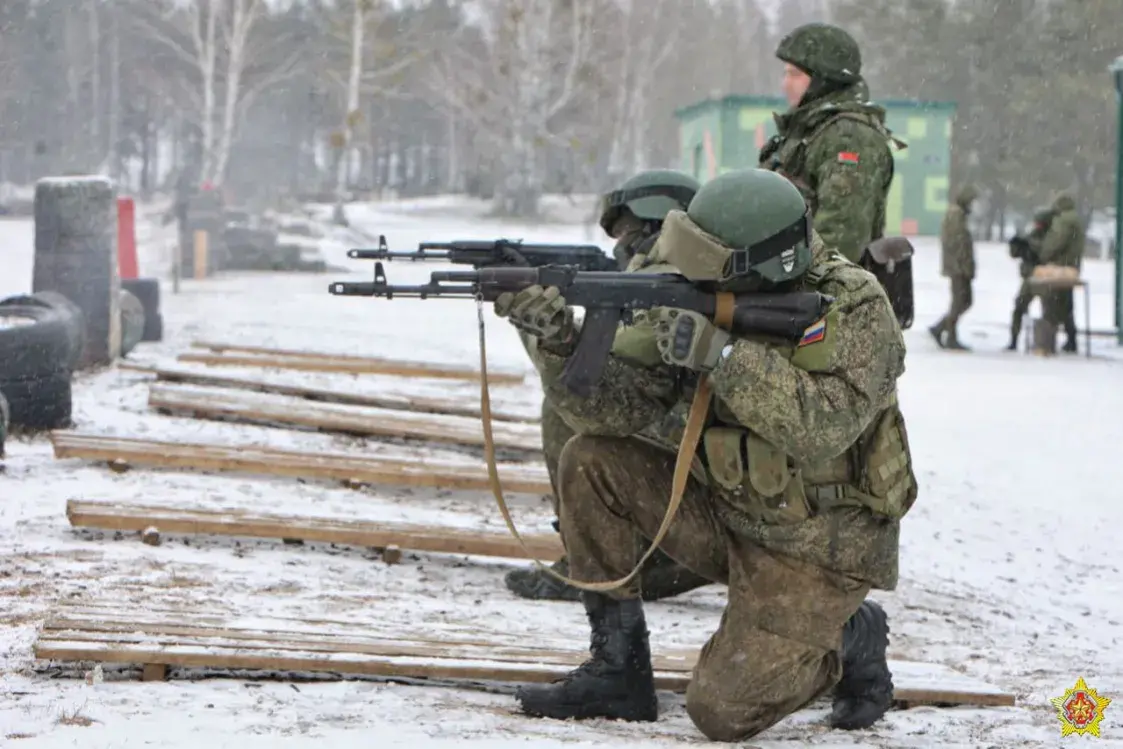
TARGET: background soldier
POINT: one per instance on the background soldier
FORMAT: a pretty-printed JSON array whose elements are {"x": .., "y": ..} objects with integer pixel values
[
  {"x": 832, "y": 143},
  {"x": 808, "y": 474},
  {"x": 958, "y": 265},
  {"x": 1022, "y": 248},
  {"x": 1063, "y": 244},
  {"x": 632, "y": 216}
]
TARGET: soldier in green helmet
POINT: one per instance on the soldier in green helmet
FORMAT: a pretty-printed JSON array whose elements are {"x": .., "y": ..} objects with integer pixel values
[
  {"x": 832, "y": 143},
  {"x": 796, "y": 504},
  {"x": 632, "y": 215}
]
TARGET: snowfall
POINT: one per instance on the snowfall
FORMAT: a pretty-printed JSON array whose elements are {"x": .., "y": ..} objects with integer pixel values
[{"x": 1009, "y": 568}]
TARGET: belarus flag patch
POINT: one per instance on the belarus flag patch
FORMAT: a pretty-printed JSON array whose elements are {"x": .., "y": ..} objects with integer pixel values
[
  {"x": 815, "y": 333},
  {"x": 847, "y": 157}
]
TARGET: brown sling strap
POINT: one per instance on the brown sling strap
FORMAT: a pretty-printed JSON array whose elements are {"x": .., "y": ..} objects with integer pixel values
[{"x": 696, "y": 421}]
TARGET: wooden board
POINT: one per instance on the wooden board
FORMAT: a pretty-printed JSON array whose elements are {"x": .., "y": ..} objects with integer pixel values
[
  {"x": 218, "y": 641},
  {"x": 353, "y": 365},
  {"x": 393, "y": 402},
  {"x": 208, "y": 403},
  {"x": 529, "y": 479},
  {"x": 241, "y": 523}
]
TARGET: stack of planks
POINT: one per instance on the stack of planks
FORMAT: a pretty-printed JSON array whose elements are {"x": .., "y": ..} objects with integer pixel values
[{"x": 158, "y": 635}]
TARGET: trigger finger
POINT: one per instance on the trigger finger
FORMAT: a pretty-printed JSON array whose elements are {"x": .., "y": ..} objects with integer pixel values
[{"x": 503, "y": 304}]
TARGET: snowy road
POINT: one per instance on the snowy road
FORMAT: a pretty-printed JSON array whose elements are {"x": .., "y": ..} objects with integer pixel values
[{"x": 1009, "y": 566}]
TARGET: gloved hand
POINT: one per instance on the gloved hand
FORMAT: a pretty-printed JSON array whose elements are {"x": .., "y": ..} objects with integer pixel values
[
  {"x": 538, "y": 312},
  {"x": 687, "y": 339}
]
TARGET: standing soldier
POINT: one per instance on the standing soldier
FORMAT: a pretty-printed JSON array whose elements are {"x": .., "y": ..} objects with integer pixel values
[
  {"x": 832, "y": 143},
  {"x": 958, "y": 265},
  {"x": 1063, "y": 244},
  {"x": 633, "y": 216},
  {"x": 1024, "y": 248}
]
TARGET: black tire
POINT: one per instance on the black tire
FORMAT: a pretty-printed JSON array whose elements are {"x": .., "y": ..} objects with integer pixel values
[
  {"x": 132, "y": 321},
  {"x": 147, "y": 290},
  {"x": 42, "y": 402},
  {"x": 76, "y": 318},
  {"x": 41, "y": 347}
]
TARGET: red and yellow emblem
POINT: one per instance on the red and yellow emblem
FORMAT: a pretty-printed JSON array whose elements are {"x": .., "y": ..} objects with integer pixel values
[{"x": 1080, "y": 710}]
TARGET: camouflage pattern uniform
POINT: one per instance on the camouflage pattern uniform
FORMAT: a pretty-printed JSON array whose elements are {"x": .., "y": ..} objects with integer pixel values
[
  {"x": 794, "y": 504},
  {"x": 1063, "y": 244},
  {"x": 957, "y": 264},
  {"x": 1042, "y": 218},
  {"x": 633, "y": 218},
  {"x": 834, "y": 146}
]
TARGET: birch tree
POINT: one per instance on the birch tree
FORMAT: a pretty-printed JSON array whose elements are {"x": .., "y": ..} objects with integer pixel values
[
  {"x": 379, "y": 51},
  {"x": 638, "y": 61},
  {"x": 531, "y": 66},
  {"x": 213, "y": 43}
]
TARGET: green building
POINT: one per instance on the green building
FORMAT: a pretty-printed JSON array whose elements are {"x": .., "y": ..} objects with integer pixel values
[{"x": 718, "y": 135}]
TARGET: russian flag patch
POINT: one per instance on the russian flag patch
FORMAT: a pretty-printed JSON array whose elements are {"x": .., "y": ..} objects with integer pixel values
[
  {"x": 847, "y": 157},
  {"x": 815, "y": 333}
]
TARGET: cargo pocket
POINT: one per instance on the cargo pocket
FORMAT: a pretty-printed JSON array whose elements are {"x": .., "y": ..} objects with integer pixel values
[
  {"x": 755, "y": 476},
  {"x": 888, "y": 481},
  {"x": 778, "y": 485}
]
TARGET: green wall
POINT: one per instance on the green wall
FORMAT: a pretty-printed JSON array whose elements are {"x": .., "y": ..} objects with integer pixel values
[{"x": 728, "y": 133}]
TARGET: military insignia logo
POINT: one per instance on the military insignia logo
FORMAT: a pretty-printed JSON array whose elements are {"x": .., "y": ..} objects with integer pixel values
[
  {"x": 1080, "y": 710},
  {"x": 787, "y": 259},
  {"x": 847, "y": 157},
  {"x": 815, "y": 333}
]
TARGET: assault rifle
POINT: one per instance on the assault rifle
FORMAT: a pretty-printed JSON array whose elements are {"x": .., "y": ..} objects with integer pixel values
[
  {"x": 497, "y": 252},
  {"x": 610, "y": 298}
]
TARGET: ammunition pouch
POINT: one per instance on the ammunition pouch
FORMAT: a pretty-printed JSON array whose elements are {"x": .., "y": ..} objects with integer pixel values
[
  {"x": 759, "y": 480},
  {"x": 755, "y": 477}
]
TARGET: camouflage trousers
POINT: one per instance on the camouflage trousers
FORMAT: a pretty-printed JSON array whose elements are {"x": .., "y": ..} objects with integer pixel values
[
  {"x": 671, "y": 578},
  {"x": 778, "y": 645},
  {"x": 961, "y": 300}
]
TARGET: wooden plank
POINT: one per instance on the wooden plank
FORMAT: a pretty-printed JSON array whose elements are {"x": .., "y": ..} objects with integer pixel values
[
  {"x": 310, "y": 363},
  {"x": 390, "y": 401},
  {"x": 126, "y": 640},
  {"x": 528, "y": 479},
  {"x": 368, "y": 422},
  {"x": 230, "y": 522}
]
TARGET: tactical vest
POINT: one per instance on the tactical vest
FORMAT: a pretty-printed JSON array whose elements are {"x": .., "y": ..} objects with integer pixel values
[
  {"x": 788, "y": 156},
  {"x": 761, "y": 482}
]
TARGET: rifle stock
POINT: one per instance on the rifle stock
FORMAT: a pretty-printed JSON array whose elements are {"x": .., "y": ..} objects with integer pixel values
[{"x": 609, "y": 298}]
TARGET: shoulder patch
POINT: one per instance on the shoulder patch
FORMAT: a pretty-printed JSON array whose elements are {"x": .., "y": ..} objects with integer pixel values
[
  {"x": 847, "y": 157},
  {"x": 814, "y": 333}
]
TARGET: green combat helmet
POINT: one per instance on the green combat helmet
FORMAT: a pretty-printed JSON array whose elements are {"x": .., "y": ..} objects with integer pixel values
[
  {"x": 823, "y": 51},
  {"x": 649, "y": 196},
  {"x": 762, "y": 218}
]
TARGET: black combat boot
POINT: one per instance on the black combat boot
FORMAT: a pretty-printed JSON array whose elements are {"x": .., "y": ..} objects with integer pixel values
[
  {"x": 937, "y": 333},
  {"x": 866, "y": 690},
  {"x": 662, "y": 578},
  {"x": 616, "y": 682},
  {"x": 1070, "y": 346}
]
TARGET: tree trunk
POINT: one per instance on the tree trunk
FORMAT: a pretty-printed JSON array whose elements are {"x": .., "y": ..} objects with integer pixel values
[{"x": 351, "y": 114}]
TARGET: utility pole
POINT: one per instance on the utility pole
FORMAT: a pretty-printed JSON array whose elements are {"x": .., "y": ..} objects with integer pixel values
[{"x": 1117, "y": 73}]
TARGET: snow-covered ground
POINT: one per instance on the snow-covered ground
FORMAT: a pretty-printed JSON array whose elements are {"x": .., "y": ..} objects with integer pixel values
[{"x": 1009, "y": 568}]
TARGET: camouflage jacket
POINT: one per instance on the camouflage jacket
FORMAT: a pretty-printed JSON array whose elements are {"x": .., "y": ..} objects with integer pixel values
[
  {"x": 1063, "y": 243},
  {"x": 836, "y": 150},
  {"x": 812, "y": 406},
  {"x": 957, "y": 248}
]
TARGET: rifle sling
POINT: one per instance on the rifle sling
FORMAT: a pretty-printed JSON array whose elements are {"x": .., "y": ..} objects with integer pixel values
[{"x": 699, "y": 408}]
